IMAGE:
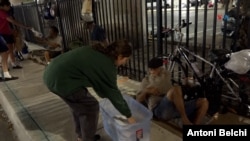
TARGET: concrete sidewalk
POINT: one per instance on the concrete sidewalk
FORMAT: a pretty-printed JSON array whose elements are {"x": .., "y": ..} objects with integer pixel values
[{"x": 6, "y": 129}]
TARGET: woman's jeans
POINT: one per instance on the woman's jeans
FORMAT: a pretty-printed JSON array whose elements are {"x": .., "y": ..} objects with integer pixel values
[{"x": 85, "y": 110}]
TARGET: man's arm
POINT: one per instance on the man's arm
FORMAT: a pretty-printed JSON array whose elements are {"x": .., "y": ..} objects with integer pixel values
[
  {"x": 146, "y": 91},
  {"x": 13, "y": 21}
]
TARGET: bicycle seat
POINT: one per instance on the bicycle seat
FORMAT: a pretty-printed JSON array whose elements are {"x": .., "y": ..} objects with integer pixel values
[{"x": 219, "y": 55}]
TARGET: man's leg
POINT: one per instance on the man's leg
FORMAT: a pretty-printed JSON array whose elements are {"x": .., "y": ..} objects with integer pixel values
[
  {"x": 141, "y": 97},
  {"x": 202, "y": 107},
  {"x": 175, "y": 95},
  {"x": 51, "y": 54},
  {"x": 47, "y": 56}
]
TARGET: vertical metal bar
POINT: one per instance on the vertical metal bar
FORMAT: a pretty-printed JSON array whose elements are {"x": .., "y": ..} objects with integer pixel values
[
  {"x": 225, "y": 26},
  {"x": 103, "y": 11},
  {"x": 179, "y": 13},
  {"x": 195, "y": 28},
  {"x": 98, "y": 12},
  {"x": 147, "y": 33},
  {"x": 215, "y": 23},
  {"x": 118, "y": 18},
  {"x": 187, "y": 21},
  {"x": 172, "y": 25},
  {"x": 142, "y": 37},
  {"x": 132, "y": 35},
  {"x": 61, "y": 25},
  {"x": 237, "y": 28},
  {"x": 110, "y": 23},
  {"x": 179, "y": 24},
  {"x": 152, "y": 33},
  {"x": 127, "y": 33},
  {"x": 165, "y": 26},
  {"x": 78, "y": 19},
  {"x": 122, "y": 18},
  {"x": 159, "y": 27},
  {"x": 74, "y": 18},
  {"x": 204, "y": 34},
  {"x": 39, "y": 18},
  {"x": 114, "y": 19},
  {"x": 93, "y": 10},
  {"x": 137, "y": 38},
  {"x": 248, "y": 33}
]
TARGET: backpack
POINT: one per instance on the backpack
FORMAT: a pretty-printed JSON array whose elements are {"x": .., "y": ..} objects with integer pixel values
[{"x": 230, "y": 19}]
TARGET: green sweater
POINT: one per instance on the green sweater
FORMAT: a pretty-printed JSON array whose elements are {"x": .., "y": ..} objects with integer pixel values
[{"x": 85, "y": 67}]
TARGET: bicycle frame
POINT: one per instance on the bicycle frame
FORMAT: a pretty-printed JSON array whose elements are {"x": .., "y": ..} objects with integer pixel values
[{"x": 181, "y": 51}]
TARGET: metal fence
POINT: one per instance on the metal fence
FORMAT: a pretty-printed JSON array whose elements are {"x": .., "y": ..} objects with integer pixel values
[{"x": 141, "y": 22}]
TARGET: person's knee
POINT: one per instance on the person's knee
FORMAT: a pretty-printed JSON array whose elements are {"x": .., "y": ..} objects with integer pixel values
[
  {"x": 203, "y": 103},
  {"x": 174, "y": 92},
  {"x": 46, "y": 54}
]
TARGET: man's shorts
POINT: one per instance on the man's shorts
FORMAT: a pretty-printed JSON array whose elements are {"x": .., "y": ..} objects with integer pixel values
[
  {"x": 3, "y": 46},
  {"x": 166, "y": 109},
  {"x": 8, "y": 38}
]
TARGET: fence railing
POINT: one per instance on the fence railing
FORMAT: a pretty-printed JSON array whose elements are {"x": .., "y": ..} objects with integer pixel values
[{"x": 141, "y": 22}]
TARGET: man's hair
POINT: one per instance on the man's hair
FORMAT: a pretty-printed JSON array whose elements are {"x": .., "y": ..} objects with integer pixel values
[
  {"x": 155, "y": 63},
  {"x": 55, "y": 29},
  {"x": 4, "y": 2}
]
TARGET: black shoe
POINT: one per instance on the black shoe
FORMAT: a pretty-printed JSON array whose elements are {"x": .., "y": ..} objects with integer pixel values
[
  {"x": 17, "y": 67},
  {"x": 8, "y": 79},
  {"x": 19, "y": 56},
  {"x": 97, "y": 137}
]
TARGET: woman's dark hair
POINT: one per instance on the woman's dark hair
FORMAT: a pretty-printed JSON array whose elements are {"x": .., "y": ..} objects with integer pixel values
[
  {"x": 4, "y": 2},
  {"x": 119, "y": 47}
]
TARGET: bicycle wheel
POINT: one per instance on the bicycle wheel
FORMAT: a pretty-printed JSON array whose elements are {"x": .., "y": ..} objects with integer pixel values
[{"x": 237, "y": 100}]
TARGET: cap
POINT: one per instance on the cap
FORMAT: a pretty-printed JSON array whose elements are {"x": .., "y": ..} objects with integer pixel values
[{"x": 155, "y": 63}]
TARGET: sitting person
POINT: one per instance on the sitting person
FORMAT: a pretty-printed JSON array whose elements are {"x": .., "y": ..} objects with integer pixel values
[
  {"x": 167, "y": 101},
  {"x": 53, "y": 43},
  {"x": 97, "y": 33}
]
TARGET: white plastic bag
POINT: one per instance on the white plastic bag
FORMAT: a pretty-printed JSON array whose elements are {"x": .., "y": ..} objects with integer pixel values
[{"x": 239, "y": 62}]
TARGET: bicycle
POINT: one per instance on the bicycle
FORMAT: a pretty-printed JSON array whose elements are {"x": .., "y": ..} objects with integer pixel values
[{"x": 224, "y": 87}]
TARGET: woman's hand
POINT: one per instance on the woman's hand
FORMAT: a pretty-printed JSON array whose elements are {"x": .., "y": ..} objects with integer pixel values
[{"x": 131, "y": 120}]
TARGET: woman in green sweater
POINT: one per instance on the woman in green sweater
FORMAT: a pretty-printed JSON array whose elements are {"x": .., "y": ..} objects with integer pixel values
[{"x": 69, "y": 74}]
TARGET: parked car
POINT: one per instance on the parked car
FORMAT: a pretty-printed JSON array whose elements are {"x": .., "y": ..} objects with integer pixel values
[
  {"x": 195, "y": 2},
  {"x": 153, "y": 4},
  {"x": 201, "y": 2}
]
